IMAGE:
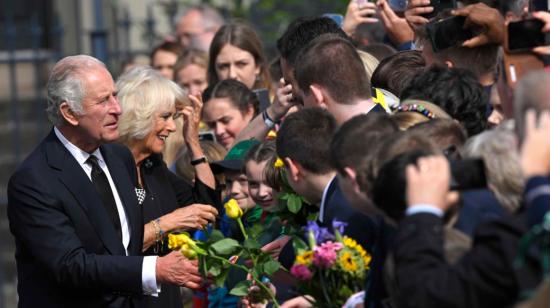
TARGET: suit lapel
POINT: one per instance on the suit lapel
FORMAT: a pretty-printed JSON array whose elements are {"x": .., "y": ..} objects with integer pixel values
[
  {"x": 77, "y": 182},
  {"x": 125, "y": 188}
]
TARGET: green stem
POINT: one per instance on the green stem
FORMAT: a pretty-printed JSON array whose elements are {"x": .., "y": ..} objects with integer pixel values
[
  {"x": 258, "y": 282},
  {"x": 240, "y": 222}
]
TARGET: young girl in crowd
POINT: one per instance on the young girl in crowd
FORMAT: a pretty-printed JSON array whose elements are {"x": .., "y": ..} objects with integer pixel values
[
  {"x": 237, "y": 53},
  {"x": 229, "y": 107}
]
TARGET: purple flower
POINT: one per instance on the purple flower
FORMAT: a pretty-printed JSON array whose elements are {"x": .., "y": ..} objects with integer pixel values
[
  {"x": 320, "y": 234},
  {"x": 301, "y": 272},
  {"x": 339, "y": 225},
  {"x": 325, "y": 255}
]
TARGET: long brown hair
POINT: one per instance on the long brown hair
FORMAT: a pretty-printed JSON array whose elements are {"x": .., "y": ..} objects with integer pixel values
[{"x": 242, "y": 36}]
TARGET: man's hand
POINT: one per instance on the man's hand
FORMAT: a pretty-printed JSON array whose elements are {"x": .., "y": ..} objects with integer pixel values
[
  {"x": 544, "y": 17},
  {"x": 535, "y": 150},
  {"x": 480, "y": 15},
  {"x": 194, "y": 216},
  {"x": 415, "y": 10},
  {"x": 356, "y": 15},
  {"x": 176, "y": 269},
  {"x": 428, "y": 182},
  {"x": 397, "y": 28}
]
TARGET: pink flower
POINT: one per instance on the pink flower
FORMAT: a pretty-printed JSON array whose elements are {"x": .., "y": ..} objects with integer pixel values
[
  {"x": 325, "y": 255},
  {"x": 301, "y": 272}
]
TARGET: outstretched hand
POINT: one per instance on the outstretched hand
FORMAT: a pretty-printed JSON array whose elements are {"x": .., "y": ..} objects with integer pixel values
[
  {"x": 544, "y": 17},
  {"x": 192, "y": 118}
]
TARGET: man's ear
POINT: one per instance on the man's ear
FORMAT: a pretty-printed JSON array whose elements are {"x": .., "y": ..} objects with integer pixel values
[
  {"x": 68, "y": 114},
  {"x": 449, "y": 64},
  {"x": 353, "y": 176},
  {"x": 294, "y": 168},
  {"x": 318, "y": 94}
]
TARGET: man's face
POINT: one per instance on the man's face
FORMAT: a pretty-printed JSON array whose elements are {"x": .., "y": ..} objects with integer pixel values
[
  {"x": 99, "y": 122},
  {"x": 191, "y": 32}
]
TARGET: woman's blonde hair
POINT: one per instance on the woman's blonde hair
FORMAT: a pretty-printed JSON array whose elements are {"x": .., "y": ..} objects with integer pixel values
[
  {"x": 412, "y": 111},
  {"x": 369, "y": 61},
  {"x": 142, "y": 92}
]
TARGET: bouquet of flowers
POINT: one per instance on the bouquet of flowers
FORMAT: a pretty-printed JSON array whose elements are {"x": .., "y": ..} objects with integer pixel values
[
  {"x": 218, "y": 254},
  {"x": 330, "y": 268}
]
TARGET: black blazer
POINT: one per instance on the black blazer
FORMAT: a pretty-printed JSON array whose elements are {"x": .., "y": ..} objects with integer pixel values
[
  {"x": 484, "y": 277},
  {"x": 68, "y": 253}
]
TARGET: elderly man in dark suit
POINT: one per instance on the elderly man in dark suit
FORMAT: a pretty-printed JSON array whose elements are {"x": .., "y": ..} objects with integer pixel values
[{"x": 72, "y": 206}]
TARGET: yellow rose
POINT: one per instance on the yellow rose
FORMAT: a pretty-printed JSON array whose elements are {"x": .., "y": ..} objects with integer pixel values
[
  {"x": 175, "y": 241},
  {"x": 279, "y": 163},
  {"x": 232, "y": 209},
  {"x": 188, "y": 252}
]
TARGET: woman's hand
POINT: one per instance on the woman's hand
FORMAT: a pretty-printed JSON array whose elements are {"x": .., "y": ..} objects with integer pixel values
[
  {"x": 194, "y": 216},
  {"x": 191, "y": 119},
  {"x": 358, "y": 14},
  {"x": 284, "y": 100}
]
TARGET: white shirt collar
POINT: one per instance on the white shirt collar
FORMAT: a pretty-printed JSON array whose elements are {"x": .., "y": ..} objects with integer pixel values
[
  {"x": 80, "y": 155},
  {"x": 323, "y": 200}
]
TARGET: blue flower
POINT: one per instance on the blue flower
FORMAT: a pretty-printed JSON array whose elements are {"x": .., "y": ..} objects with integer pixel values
[
  {"x": 339, "y": 225},
  {"x": 320, "y": 234}
]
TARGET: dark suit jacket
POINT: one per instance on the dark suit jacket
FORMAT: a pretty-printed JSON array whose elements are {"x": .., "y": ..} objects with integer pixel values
[
  {"x": 483, "y": 277},
  {"x": 68, "y": 253}
]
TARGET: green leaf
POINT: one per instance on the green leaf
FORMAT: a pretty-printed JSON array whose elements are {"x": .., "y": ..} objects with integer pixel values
[
  {"x": 215, "y": 269},
  {"x": 227, "y": 246},
  {"x": 299, "y": 245},
  {"x": 215, "y": 235},
  {"x": 251, "y": 243},
  {"x": 294, "y": 203},
  {"x": 271, "y": 267},
  {"x": 313, "y": 216},
  {"x": 220, "y": 279},
  {"x": 241, "y": 289},
  {"x": 284, "y": 196},
  {"x": 255, "y": 230}
]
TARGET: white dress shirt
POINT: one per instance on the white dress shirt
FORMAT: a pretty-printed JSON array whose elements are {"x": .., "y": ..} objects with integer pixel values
[{"x": 148, "y": 273}]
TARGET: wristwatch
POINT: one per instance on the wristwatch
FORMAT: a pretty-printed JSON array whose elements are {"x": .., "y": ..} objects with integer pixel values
[
  {"x": 199, "y": 161},
  {"x": 267, "y": 120}
]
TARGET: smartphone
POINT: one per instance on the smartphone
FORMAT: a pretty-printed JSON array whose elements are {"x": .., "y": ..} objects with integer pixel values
[
  {"x": 398, "y": 5},
  {"x": 448, "y": 32},
  {"x": 440, "y": 5},
  {"x": 525, "y": 34},
  {"x": 209, "y": 135},
  {"x": 263, "y": 98},
  {"x": 468, "y": 174}
]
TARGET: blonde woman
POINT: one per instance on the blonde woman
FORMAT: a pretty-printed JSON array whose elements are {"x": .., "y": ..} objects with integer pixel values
[{"x": 149, "y": 103}]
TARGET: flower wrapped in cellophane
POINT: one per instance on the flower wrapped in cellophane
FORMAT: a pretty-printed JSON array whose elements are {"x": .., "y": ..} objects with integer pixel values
[{"x": 330, "y": 268}]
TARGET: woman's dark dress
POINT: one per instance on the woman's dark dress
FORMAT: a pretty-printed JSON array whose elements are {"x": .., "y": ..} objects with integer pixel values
[{"x": 166, "y": 192}]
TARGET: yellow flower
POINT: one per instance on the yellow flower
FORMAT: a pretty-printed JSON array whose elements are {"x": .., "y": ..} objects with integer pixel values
[
  {"x": 347, "y": 262},
  {"x": 305, "y": 258},
  {"x": 175, "y": 241},
  {"x": 188, "y": 252},
  {"x": 271, "y": 135},
  {"x": 278, "y": 163},
  {"x": 232, "y": 209},
  {"x": 349, "y": 242}
]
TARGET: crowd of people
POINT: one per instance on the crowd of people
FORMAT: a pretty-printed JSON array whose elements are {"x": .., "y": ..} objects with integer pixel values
[{"x": 436, "y": 159}]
